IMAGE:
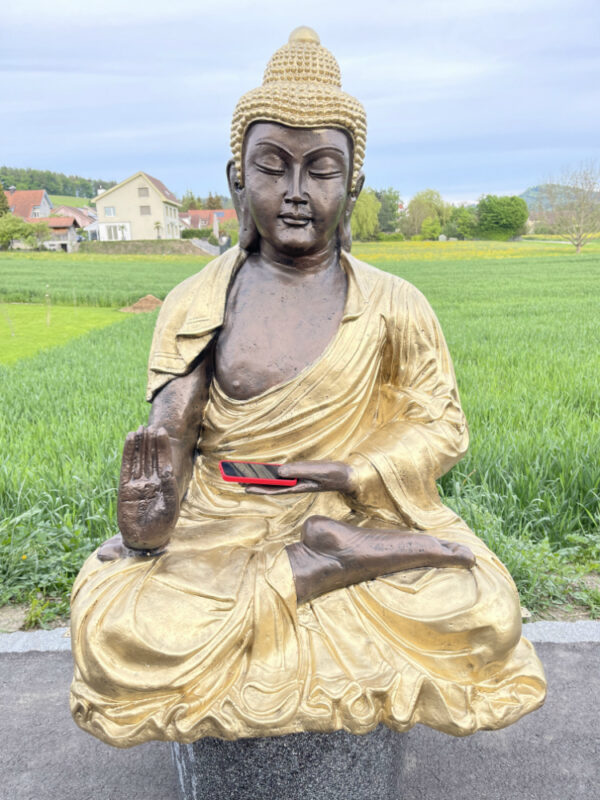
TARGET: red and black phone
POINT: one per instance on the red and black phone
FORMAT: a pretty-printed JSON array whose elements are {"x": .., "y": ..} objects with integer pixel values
[{"x": 253, "y": 472}]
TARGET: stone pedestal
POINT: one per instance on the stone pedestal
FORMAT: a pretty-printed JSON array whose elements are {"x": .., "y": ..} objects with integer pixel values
[{"x": 303, "y": 766}]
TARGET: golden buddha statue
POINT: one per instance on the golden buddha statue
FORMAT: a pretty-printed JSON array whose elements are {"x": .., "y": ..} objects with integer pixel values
[{"x": 354, "y": 597}]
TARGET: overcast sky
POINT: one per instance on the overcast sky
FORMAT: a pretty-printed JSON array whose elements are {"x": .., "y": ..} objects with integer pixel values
[{"x": 467, "y": 97}]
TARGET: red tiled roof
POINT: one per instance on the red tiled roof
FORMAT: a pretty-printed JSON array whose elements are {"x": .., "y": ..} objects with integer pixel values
[
  {"x": 22, "y": 201},
  {"x": 196, "y": 215},
  {"x": 162, "y": 188},
  {"x": 55, "y": 222}
]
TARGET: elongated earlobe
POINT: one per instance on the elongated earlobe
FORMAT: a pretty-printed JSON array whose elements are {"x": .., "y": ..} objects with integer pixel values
[
  {"x": 344, "y": 230},
  {"x": 249, "y": 237}
]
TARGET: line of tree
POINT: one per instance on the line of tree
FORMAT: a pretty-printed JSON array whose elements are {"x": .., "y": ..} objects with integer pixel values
[
  {"x": 379, "y": 214},
  {"x": 212, "y": 202},
  {"x": 52, "y": 182}
]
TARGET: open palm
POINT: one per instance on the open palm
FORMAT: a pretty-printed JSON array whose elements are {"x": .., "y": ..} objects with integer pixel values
[{"x": 148, "y": 502}]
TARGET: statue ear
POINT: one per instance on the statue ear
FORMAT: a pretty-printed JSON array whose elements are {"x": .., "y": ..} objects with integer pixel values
[
  {"x": 344, "y": 229},
  {"x": 247, "y": 229}
]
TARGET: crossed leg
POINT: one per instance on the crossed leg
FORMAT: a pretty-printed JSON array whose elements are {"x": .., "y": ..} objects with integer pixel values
[{"x": 332, "y": 555}]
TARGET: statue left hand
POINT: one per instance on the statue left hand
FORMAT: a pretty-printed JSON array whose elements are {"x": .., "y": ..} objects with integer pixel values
[{"x": 313, "y": 476}]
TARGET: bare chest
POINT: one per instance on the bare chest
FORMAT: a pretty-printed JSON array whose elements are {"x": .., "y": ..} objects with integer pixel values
[{"x": 273, "y": 330}]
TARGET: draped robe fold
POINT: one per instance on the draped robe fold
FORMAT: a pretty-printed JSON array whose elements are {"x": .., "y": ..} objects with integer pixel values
[{"x": 207, "y": 639}]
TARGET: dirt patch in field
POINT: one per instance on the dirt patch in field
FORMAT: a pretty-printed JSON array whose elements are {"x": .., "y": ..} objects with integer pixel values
[{"x": 142, "y": 306}]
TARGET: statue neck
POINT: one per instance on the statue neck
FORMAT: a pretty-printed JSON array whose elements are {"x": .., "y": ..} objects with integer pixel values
[{"x": 320, "y": 261}]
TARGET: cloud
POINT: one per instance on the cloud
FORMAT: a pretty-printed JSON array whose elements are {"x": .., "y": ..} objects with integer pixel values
[{"x": 465, "y": 94}]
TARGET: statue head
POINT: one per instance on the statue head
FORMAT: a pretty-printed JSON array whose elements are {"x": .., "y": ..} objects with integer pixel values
[{"x": 298, "y": 145}]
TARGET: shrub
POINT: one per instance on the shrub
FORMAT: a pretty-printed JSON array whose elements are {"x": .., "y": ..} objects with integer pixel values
[
  {"x": 391, "y": 237},
  {"x": 501, "y": 218},
  {"x": 191, "y": 233}
]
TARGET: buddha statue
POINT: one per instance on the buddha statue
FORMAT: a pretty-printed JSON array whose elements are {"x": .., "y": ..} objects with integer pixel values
[{"x": 354, "y": 597}]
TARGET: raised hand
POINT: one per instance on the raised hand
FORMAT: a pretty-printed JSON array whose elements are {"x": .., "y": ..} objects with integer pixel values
[
  {"x": 313, "y": 476},
  {"x": 148, "y": 502}
]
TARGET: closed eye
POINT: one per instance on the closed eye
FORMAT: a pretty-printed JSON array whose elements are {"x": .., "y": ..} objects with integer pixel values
[
  {"x": 324, "y": 168},
  {"x": 270, "y": 164},
  {"x": 314, "y": 173},
  {"x": 269, "y": 170}
]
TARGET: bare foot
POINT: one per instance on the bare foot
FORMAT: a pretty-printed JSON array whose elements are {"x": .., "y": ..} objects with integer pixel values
[
  {"x": 333, "y": 555},
  {"x": 115, "y": 548}
]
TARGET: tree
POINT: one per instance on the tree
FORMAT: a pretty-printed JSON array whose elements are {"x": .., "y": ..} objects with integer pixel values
[
  {"x": 365, "y": 218},
  {"x": 52, "y": 182},
  {"x": 571, "y": 205},
  {"x": 4, "y": 206},
  {"x": 214, "y": 202},
  {"x": 501, "y": 218},
  {"x": 388, "y": 213},
  {"x": 40, "y": 231},
  {"x": 464, "y": 221},
  {"x": 431, "y": 228},
  {"x": 189, "y": 201},
  {"x": 14, "y": 229},
  {"x": 427, "y": 203}
]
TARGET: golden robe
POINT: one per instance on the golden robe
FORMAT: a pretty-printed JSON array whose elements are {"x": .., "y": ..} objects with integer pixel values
[{"x": 207, "y": 639}]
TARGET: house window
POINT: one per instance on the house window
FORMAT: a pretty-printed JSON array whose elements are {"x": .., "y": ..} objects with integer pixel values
[
  {"x": 35, "y": 212},
  {"x": 143, "y": 191},
  {"x": 112, "y": 231},
  {"x": 145, "y": 210},
  {"x": 109, "y": 211}
]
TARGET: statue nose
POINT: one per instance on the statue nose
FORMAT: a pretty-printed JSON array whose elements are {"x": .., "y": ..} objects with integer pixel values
[{"x": 295, "y": 190}]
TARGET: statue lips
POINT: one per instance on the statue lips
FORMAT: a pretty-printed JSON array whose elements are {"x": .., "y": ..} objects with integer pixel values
[{"x": 295, "y": 220}]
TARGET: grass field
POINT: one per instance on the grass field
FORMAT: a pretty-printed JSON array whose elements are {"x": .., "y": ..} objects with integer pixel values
[
  {"x": 523, "y": 327},
  {"x": 90, "y": 279},
  {"x": 69, "y": 200},
  {"x": 26, "y": 329}
]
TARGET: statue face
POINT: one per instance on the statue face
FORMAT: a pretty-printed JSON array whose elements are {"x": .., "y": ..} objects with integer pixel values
[{"x": 296, "y": 185}]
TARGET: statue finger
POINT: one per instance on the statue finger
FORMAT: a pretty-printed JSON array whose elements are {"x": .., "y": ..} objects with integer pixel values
[
  {"x": 164, "y": 458},
  {"x": 128, "y": 458},
  {"x": 138, "y": 453},
  {"x": 299, "y": 488},
  {"x": 154, "y": 453},
  {"x": 303, "y": 469},
  {"x": 148, "y": 446}
]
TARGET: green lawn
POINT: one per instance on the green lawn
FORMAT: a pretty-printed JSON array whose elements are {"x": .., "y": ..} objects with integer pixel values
[
  {"x": 523, "y": 327},
  {"x": 26, "y": 329}
]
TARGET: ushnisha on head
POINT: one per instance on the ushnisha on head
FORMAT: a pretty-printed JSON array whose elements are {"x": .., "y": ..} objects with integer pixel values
[{"x": 301, "y": 89}]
